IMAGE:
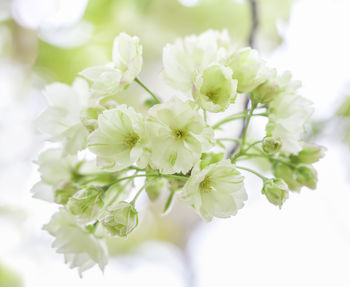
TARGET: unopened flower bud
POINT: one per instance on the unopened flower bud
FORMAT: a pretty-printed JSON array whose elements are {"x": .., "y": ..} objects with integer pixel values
[
  {"x": 86, "y": 202},
  {"x": 310, "y": 153},
  {"x": 271, "y": 145},
  {"x": 120, "y": 219},
  {"x": 285, "y": 172},
  {"x": 276, "y": 191},
  {"x": 306, "y": 175},
  {"x": 89, "y": 117}
]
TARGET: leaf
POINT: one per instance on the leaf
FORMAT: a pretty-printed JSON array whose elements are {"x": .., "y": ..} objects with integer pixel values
[{"x": 169, "y": 203}]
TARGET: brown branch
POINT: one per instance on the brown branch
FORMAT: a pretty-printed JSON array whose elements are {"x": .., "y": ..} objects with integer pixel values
[{"x": 251, "y": 43}]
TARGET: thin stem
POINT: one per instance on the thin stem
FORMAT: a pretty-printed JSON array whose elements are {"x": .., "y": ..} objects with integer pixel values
[
  {"x": 235, "y": 117},
  {"x": 229, "y": 119},
  {"x": 137, "y": 80},
  {"x": 255, "y": 23},
  {"x": 244, "y": 137},
  {"x": 116, "y": 195},
  {"x": 253, "y": 172},
  {"x": 250, "y": 155},
  {"x": 251, "y": 145},
  {"x": 138, "y": 194},
  {"x": 173, "y": 176},
  {"x": 229, "y": 139},
  {"x": 251, "y": 43}
]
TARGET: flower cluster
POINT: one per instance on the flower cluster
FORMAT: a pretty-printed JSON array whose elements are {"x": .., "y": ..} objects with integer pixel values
[{"x": 170, "y": 144}]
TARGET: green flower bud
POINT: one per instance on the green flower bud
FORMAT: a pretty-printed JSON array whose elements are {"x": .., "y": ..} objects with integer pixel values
[
  {"x": 306, "y": 175},
  {"x": 285, "y": 172},
  {"x": 276, "y": 191},
  {"x": 64, "y": 192},
  {"x": 310, "y": 153},
  {"x": 265, "y": 92},
  {"x": 210, "y": 158},
  {"x": 272, "y": 145},
  {"x": 86, "y": 203},
  {"x": 89, "y": 117},
  {"x": 120, "y": 219}
]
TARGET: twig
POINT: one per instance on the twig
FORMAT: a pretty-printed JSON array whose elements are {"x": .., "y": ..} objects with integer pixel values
[{"x": 251, "y": 42}]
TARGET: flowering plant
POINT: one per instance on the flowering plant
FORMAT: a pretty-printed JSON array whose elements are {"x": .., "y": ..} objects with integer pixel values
[{"x": 171, "y": 144}]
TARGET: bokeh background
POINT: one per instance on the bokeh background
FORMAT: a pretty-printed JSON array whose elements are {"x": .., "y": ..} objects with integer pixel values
[{"x": 306, "y": 243}]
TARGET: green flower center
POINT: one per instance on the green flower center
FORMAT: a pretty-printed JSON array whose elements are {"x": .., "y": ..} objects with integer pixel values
[
  {"x": 205, "y": 185},
  {"x": 213, "y": 95},
  {"x": 179, "y": 134},
  {"x": 131, "y": 140}
]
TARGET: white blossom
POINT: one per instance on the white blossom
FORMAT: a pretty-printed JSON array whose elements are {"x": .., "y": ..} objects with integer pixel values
[
  {"x": 81, "y": 249},
  {"x": 215, "y": 191},
  {"x": 178, "y": 136}
]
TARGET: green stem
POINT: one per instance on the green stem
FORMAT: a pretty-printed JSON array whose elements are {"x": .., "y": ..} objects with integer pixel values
[
  {"x": 236, "y": 117},
  {"x": 250, "y": 155},
  {"x": 205, "y": 116},
  {"x": 251, "y": 145},
  {"x": 244, "y": 137},
  {"x": 138, "y": 194},
  {"x": 253, "y": 172},
  {"x": 137, "y": 80},
  {"x": 229, "y": 119},
  {"x": 229, "y": 139},
  {"x": 180, "y": 177},
  {"x": 174, "y": 176}
]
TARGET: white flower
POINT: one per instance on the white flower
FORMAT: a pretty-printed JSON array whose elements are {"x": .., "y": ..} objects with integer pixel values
[
  {"x": 55, "y": 168},
  {"x": 81, "y": 249},
  {"x": 56, "y": 171},
  {"x": 215, "y": 191},
  {"x": 118, "y": 141},
  {"x": 105, "y": 79},
  {"x": 248, "y": 68},
  {"x": 177, "y": 135},
  {"x": 275, "y": 85},
  {"x": 288, "y": 115},
  {"x": 61, "y": 119},
  {"x": 214, "y": 89},
  {"x": 185, "y": 57},
  {"x": 116, "y": 75},
  {"x": 127, "y": 56}
]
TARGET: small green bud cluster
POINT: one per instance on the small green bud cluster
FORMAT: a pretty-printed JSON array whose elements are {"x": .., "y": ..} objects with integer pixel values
[
  {"x": 298, "y": 171},
  {"x": 276, "y": 191}
]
